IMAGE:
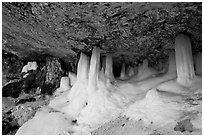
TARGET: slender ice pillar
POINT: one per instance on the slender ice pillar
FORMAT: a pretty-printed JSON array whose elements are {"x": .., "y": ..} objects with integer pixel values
[
  {"x": 93, "y": 71},
  {"x": 109, "y": 67},
  {"x": 122, "y": 74},
  {"x": 83, "y": 67},
  {"x": 184, "y": 60},
  {"x": 198, "y": 64},
  {"x": 103, "y": 64}
]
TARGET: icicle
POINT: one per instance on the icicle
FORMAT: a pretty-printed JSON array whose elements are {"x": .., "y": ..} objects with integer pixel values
[
  {"x": 123, "y": 74},
  {"x": 109, "y": 67},
  {"x": 130, "y": 71},
  {"x": 198, "y": 64},
  {"x": 73, "y": 78},
  {"x": 94, "y": 70},
  {"x": 83, "y": 67},
  {"x": 184, "y": 60},
  {"x": 172, "y": 63}
]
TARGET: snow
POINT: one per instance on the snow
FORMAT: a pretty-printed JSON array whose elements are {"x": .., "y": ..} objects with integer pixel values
[
  {"x": 46, "y": 123},
  {"x": 154, "y": 108},
  {"x": 30, "y": 66}
]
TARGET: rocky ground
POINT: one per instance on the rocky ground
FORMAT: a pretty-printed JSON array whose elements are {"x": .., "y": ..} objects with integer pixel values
[
  {"x": 16, "y": 111},
  {"x": 189, "y": 124}
]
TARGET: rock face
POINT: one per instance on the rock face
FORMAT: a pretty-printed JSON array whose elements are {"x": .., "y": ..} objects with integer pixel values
[
  {"x": 11, "y": 67},
  {"x": 53, "y": 75},
  {"x": 130, "y": 30}
]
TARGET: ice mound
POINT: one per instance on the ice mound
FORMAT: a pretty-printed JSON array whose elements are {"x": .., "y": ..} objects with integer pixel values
[
  {"x": 155, "y": 109},
  {"x": 64, "y": 85},
  {"x": 46, "y": 123}
]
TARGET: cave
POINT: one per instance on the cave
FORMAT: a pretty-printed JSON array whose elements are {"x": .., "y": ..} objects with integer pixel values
[{"x": 102, "y": 68}]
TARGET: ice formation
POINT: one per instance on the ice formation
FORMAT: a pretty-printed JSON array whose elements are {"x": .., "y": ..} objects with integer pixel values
[
  {"x": 122, "y": 73},
  {"x": 73, "y": 78},
  {"x": 184, "y": 60},
  {"x": 97, "y": 97},
  {"x": 30, "y": 66},
  {"x": 130, "y": 71},
  {"x": 109, "y": 67},
  {"x": 156, "y": 108},
  {"x": 64, "y": 85},
  {"x": 26, "y": 67},
  {"x": 144, "y": 72}
]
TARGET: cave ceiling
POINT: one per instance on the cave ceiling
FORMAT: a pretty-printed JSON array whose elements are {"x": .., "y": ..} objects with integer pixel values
[{"x": 130, "y": 31}]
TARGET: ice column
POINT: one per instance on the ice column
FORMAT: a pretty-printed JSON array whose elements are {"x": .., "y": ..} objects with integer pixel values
[
  {"x": 81, "y": 78},
  {"x": 109, "y": 67},
  {"x": 184, "y": 60},
  {"x": 83, "y": 67},
  {"x": 94, "y": 71},
  {"x": 122, "y": 74}
]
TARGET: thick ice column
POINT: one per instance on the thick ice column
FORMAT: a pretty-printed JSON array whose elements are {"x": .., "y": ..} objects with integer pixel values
[
  {"x": 109, "y": 67},
  {"x": 184, "y": 60},
  {"x": 122, "y": 74},
  {"x": 93, "y": 71},
  {"x": 83, "y": 67},
  {"x": 172, "y": 63},
  {"x": 198, "y": 64}
]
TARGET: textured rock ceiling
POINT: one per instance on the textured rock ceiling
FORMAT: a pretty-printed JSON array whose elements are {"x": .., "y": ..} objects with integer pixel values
[{"x": 131, "y": 31}]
